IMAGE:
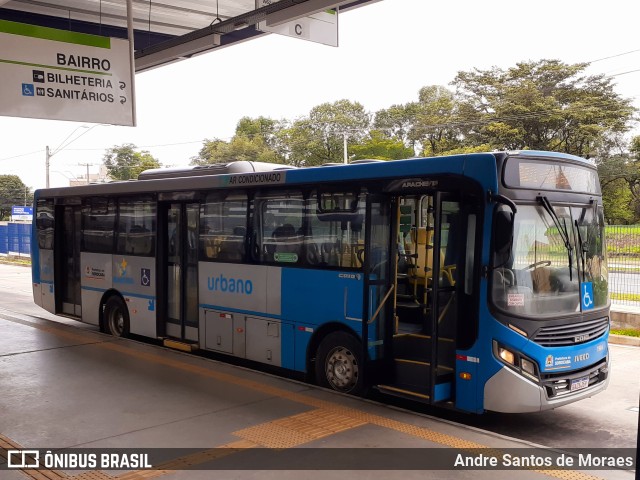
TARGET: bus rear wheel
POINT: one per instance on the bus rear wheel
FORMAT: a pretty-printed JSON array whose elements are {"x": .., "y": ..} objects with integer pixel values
[
  {"x": 116, "y": 317},
  {"x": 339, "y": 364}
]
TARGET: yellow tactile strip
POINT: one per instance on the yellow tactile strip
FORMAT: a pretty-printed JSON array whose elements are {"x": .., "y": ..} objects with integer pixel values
[
  {"x": 326, "y": 419},
  {"x": 299, "y": 429},
  {"x": 41, "y": 474}
]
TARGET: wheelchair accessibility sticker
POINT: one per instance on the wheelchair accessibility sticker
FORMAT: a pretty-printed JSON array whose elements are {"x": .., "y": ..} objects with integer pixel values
[{"x": 586, "y": 295}]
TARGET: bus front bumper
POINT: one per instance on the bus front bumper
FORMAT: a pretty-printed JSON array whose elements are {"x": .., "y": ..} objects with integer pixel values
[{"x": 509, "y": 392}]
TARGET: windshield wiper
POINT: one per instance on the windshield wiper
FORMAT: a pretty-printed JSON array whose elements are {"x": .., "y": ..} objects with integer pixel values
[
  {"x": 562, "y": 230},
  {"x": 584, "y": 246},
  {"x": 584, "y": 243}
]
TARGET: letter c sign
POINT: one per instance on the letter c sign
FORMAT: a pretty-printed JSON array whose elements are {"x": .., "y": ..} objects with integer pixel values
[{"x": 298, "y": 29}]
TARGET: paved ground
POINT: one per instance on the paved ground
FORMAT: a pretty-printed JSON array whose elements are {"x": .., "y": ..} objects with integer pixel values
[{"x": 65, "y": 385}]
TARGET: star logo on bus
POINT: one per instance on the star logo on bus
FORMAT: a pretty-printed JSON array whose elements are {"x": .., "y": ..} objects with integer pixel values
[{"x": 123, "y": 267}]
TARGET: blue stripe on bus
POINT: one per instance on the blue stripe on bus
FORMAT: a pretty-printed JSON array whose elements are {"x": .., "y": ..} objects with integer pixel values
[
  {"x": 237, "y": 310},
  {"x": 124, "y": 294},
  {"x": 35, "y": 246}
]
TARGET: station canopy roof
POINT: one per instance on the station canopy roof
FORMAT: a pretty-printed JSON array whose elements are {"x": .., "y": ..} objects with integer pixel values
[{"x": 167, "y": 30}]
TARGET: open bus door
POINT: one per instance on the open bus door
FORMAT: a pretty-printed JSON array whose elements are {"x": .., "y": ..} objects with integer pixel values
[{"x": 429, "y": 239}]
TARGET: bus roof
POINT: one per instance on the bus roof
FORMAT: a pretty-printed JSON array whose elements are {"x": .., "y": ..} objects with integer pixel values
[{"x": 480, "y": 167}]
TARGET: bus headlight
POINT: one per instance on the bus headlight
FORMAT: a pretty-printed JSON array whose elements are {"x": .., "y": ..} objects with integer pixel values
[
  {"x": 528, "y": 366},
  {"x": 506, "y": 355},
  {"x": 516, "y": 360}
]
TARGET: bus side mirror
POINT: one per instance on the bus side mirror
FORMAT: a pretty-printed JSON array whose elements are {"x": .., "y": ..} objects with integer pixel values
[{"x": 503, "y": 231}]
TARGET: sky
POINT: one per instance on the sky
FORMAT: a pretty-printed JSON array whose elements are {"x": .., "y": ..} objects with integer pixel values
[{"x": 388, "y": 51}]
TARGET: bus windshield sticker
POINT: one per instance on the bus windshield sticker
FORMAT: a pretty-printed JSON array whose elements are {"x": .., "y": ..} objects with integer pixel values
[
  {"x": 285, "y": 257},
  {"x": 515, "y": 300},
  {"x": 586, "y": 295}
]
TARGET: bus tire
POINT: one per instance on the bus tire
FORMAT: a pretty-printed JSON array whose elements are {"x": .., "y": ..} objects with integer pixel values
[
  {"x": 116, "y": 317},
  {"x": 339, "y": 363}
]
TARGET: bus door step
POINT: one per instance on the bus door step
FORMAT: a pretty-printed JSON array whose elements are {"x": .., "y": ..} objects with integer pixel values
[
  {"x": 442, "y": 392},
  {"x": 180, "y": 345},
  {"x": 396, "y": 391},
  {"x": 413, "y": 346}
]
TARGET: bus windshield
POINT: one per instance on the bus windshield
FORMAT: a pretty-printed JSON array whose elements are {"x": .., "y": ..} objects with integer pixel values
[{"x": 553, "y": 249}]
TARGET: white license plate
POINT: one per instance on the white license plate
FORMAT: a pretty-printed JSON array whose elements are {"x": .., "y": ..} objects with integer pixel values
[{"x": 579, "y": 383}]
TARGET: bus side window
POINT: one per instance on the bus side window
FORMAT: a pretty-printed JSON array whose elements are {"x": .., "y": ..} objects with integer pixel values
[
  {"x": 137, "y": 226},
  {"x": 98, "y": 225},
  {"x": 44, "y": 223},
  {"x": 223, "y": 227},
  {"x": 279, "y": 228}
]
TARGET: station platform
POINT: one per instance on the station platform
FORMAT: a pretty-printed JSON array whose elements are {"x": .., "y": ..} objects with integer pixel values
[{"x": 68, "y": 386}]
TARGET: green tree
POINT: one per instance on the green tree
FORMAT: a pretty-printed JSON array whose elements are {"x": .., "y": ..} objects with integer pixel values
[
  {"x": 262, "y": 127},
  {"x": 620, "y": 181},
  {"x": 543, "y": 105},
  {"x": 124, "y": 162},
  {"x": 12, "y": 192},
  {"x": 617, "y": 200},
  {"x": 380, "y": 147},
  {"x": 319, "y": 138},
  {"x": 436, "y": 120},
  {"x": 397, "y": 122},
  {"x": 432, "y": 125},
  {"x": 255, "y": 140}
]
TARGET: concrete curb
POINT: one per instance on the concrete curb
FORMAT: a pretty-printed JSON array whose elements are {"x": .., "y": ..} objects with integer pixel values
[
  {"x": 624, "y": 340},
  {"x": 623, "y": 317}
]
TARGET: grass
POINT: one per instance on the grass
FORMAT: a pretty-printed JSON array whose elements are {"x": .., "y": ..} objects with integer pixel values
[
  {"x": 629, "y": 297},
  {"x": 624, "y": 269},
  {"x": 631, "y": 229},
  {"x": 623, "y": 240},
  {"x": 15, "y": 260},
  {"x": 627, "y": 332}
]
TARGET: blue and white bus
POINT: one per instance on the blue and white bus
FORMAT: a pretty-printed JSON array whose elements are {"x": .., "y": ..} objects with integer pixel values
[{"x": 475, "y": 282}]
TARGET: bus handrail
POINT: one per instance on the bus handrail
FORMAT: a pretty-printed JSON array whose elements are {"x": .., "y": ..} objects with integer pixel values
[{"x": 384, "y": 300}]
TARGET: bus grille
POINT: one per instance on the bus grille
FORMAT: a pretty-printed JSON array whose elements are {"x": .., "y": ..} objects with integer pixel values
[
  {"x": 571, "y": 334},
  {"x": 559, "y": 384}
]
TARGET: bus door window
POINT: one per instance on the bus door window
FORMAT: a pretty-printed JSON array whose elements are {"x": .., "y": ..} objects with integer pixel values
[
  {"x": 191, "y": 264},
  {"x": 174, "y": 227},
  {"x": 418, "y": 245},
  {"x": 335, "y": 237},
  {"x": 69, "y": 274},
  {"x": 451, "y": 251},
  {"x": 181, "y": 270},
  {"x": 378, "y": 253}
]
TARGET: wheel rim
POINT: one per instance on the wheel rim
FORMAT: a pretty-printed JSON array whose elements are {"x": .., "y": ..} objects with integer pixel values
[
  {"x": 116, "y": 322},
  {"x": 341, "y": 369}
]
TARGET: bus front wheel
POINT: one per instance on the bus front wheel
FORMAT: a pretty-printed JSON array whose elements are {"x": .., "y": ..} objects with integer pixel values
[
  {"x": 116, "y": 317},
  {"x": 339, "y": 363}
]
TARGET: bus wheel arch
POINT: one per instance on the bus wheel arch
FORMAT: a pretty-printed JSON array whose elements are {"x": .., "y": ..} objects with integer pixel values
[
  {"x": 335, "y": 359},
  {"x": 114, "y": 315}
]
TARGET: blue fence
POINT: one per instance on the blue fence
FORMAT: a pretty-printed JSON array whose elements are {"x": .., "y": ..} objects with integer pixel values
[{"x": 15, "y": 239}]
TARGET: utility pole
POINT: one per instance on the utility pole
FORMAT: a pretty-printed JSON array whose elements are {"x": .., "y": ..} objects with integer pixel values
[
  {"x": 344, "y": 147},
  {"x": 86, "y": 165},
  {"x": 65, "y": 143},
  {"x": 47, "y": 165}
]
